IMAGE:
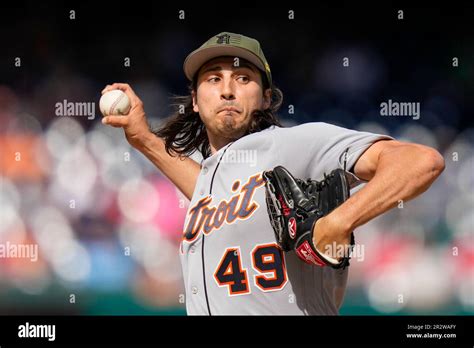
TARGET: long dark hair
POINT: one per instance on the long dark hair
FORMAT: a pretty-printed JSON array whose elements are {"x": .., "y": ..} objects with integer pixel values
[{"x": 184, "y": 132}]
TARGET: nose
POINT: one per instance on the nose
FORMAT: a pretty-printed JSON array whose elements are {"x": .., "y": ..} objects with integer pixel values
[{"x": 227, "y": 92}]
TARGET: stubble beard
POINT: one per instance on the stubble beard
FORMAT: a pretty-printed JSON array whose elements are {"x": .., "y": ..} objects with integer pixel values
[{"x": 231, "y": 130}]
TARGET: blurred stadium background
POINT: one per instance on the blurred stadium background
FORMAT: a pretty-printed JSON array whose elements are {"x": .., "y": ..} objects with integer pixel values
[{"x": 106, "y": 222}]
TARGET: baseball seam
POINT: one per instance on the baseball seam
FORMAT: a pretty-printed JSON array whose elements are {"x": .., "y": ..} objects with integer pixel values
[{"x": 114, "y": 104}]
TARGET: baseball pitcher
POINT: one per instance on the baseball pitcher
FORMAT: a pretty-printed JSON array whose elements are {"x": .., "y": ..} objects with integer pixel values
[{"x": 270, "y": 226}]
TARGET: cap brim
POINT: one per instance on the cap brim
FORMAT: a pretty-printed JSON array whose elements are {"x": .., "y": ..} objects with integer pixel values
[{"x": 198, "y": 58}]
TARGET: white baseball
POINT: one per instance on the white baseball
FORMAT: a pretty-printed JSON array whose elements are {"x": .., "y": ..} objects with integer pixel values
[{"x": 114, "y": 102}]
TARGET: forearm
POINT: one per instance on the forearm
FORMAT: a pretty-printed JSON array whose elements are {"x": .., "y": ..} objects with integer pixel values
[
  {"x": 402, "y": 173},
  {"x": 183, "y": 172}
]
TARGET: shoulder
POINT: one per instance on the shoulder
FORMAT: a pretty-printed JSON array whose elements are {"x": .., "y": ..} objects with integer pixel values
[
  {"x": 303, "y": 131},
  {"x": 308, "y": 127}
]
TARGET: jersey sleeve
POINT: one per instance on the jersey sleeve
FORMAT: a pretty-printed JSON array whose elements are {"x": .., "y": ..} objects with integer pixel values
[{"x": 320, "y": 147}]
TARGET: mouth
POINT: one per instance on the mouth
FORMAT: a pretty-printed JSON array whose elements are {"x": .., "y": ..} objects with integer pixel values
[{"x": 229, "y": 109}]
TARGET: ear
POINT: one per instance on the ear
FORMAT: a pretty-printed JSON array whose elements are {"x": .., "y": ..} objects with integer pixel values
[
  {"x": 195, "y": 106},
  {"x": 267, "y": 98}
]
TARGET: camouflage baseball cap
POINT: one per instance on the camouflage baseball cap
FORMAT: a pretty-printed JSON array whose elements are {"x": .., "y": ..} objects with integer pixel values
[{"x": 227, "y": 44}]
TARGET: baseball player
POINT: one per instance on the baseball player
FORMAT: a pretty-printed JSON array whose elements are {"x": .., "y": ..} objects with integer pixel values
[{"x": 259, "y": 238}]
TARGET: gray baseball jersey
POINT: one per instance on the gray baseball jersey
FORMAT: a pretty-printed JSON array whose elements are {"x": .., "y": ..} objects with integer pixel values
[{"x": 230, "y": 260}]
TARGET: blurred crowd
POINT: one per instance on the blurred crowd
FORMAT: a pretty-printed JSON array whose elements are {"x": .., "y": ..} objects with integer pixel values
[{"x": 107, "y": 222}]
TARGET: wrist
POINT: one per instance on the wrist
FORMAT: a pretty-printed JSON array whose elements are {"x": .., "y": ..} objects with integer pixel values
[
  {"x": 334, "y": 224},
  {"x": 324, "y": 250},
  {"x": 145, "y": 142},
  {"x": 340, "y": 220}
]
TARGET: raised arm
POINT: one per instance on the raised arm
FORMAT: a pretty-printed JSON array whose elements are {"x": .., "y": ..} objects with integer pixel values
[{"x": 183, "y": 172}]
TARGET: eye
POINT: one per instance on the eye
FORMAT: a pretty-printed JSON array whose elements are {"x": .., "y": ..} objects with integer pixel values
[
  {"x": 213, "y": 79},
  {"x": 243, "y": 79}
]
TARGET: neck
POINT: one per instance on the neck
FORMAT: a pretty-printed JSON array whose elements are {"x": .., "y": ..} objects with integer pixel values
[{"x": 217, "y": 144}]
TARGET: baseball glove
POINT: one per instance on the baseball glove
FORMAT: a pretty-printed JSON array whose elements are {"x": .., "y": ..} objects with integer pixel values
[{"x": 295, "y": 205}]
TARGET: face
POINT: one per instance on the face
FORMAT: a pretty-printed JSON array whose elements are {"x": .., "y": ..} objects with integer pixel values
[{"x": 227, "y": 96}]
